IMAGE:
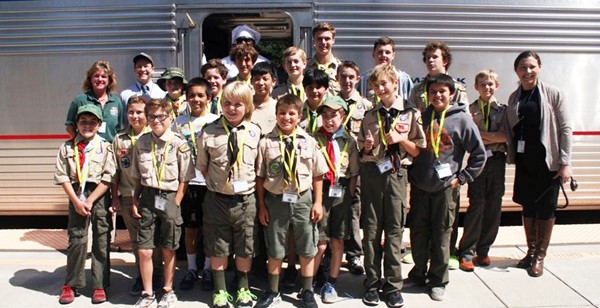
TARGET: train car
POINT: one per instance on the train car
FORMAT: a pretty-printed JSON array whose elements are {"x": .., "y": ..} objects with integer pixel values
[{"x": 46, "y": 46}]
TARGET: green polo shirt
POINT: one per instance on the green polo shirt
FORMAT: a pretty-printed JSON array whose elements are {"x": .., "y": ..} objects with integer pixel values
[{"x": 112, "y": 113}]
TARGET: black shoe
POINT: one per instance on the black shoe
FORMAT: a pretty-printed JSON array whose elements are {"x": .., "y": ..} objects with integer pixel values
[
  {"x": 371, "y": 298},
  {"x": 137, "y": 287},
  {"x": 354, "y": 266},
  {"x": 269, "y": 299},
  {"x": 308, "y": 299},
  {"x": 207, "y": 280},
  {"x": 289, "y": 277},
  {"x": 188, "y": 280},
  {"x": 394, "y": 299}
]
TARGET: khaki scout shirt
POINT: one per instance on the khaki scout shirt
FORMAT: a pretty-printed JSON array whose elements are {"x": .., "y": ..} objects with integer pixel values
[
  {"x": 496, "y": 122},
  {"x": 212, "y": 157},
  {"x": 265, "y": 116},
  {"x": 356, "y": 113},
  {"x": 304, "y": 121},
  {"x": 417, "y": 96},
  {"x": 408, "y": 124},
  {"x": 99, "y": 152},
  {"x": 286, "y": 88},
  {"x": 176, "y": 156},
  {"x": 309, "y": 161},
  {"x": 349, "y": 163},
  {"x": 123, "y": 150},
  {"x": 331, "y": 70}
]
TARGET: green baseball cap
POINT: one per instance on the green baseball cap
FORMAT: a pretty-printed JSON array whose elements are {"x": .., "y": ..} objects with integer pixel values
[
  {"x": 170, "y": 73},
  {"x": 90, "y": 108},
  {"x": 333, "y": 102}
]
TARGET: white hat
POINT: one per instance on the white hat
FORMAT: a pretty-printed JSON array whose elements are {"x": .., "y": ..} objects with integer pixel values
[{"x": 244, "y": 31}]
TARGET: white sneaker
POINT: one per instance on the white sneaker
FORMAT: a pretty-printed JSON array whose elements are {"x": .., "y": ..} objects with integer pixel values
[
  {"x": 168, "y": 300},
  {"x": 146, "y": 301}
]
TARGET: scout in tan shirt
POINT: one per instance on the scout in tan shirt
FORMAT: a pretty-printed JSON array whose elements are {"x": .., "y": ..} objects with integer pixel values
[
  {"x": 315, "y": 86},
  {"x": 84, "y": 168},
  {"x": 263, "y": 79},
  {"x": 294, "y": 63}
]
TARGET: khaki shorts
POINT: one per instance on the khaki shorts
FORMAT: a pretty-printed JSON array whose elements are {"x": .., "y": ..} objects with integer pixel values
[
  {"x": 282, "y": 216},
  {"x": 169, "y": 221},
  {"x": 229, "y": 225},
  {"x": 336, "y": 214}
]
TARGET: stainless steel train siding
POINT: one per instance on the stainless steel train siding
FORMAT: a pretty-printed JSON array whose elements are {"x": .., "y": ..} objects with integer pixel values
[{"x": 46, "y": 46}]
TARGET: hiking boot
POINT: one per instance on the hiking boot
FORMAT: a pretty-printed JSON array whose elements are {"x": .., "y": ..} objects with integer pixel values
[
  {"x": 188, "y": 280},
  {"x": 146, "y": 301},
  {"x": 328, "y": 293},
  {"x": 221, "y": 299},
  {"x": 168, "y": 300},
  {"x": 466, "y": 264},
  {"x": 244, "y": 298},
  {"x": 67, "y": 295},
  {"x": 269, "y": 299}
]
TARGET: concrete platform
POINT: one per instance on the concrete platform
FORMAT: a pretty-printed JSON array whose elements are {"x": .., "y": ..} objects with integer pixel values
[{"x": 32, "y": 263}]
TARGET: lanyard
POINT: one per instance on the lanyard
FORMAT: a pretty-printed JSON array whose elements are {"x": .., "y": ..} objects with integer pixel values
[
  {"x": 81, "y": 176},
  {"x": 381, "y": 133},
  {"x": 338, "y": 162},
  {"x": 486, "y": 115},
  {"x": 134, "y": 137},
  {"x": 241, "y": 151},
  {"x": 193, "y": 132},
  {"x": 435, "y": 141},
  {"x": 352, "y": 108},
  {"x": 160, "y": 173},
  {"x": 309, "y": 116},
  {"x": 297, "y": 91},
  {"x": 287, "y": 165}
]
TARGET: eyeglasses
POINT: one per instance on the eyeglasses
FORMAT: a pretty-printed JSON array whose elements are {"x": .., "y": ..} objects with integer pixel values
[
  {"x": 160, "y": 117},
  {"x": 88, "y": 123},
  {"x": 244, "y": 39}
]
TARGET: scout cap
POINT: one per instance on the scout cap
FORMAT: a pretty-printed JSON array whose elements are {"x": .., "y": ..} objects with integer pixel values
[
  {"x": 90, "y": 108},
  {"x": 333, "y": 102},
  {"x": 243, "y": 31},
  {"x": 143, "y": 55},
  {"x": 170, "y": 73}
]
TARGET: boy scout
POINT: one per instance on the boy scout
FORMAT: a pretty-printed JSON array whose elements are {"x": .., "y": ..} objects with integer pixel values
[
  {"x": 161, "y": 167},
  {"x": 244, "y": 57},
  {"x": 227, "y": 150},
  {"x": 339, "y": 184},
  {"x": 216, "y": 73},
  {"x": 435, "y": 177},
  {"x": 315, "y": 84},
  {"x": 323, "y": 35},
  {"x": 263, "y": 79},
  {"x": 190, "y": 127},
  {"x": 288, "y": 166},
  {"x": 391, "y": 136},
  {"x": 294, "y": 63},
  {"x": 84, "y": 169},
  {"x": 173, "y": 82}
]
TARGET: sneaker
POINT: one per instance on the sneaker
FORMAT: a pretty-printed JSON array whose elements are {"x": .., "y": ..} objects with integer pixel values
[
  {"x": 137, "y": 287},
  {"x": 99, "y": 296},
  {"x": 188, "y": 280},
  {"x": 67, "y": 295},
  {"x": 437, "y": 293},
  {"x": 355, "y": 267},
  {"x": 371, "y": 298},
  {"x": 289, "y": 277},
  {"x": 207, "y": 280},
  {"x": 453, "y": 263},
  {"x": 394, "y": 299},
  {"x": 221, "y": 299},
  {"x": 466, "y": 264},
  {"x": 269, "y": 299},
  {"x": 168, "y": 300},
  {"x": 146, "y": 301},
  {"x": 244, "y": 298},
  {"x": 308, "y": 299},
  {"x": 483, "y": 260},
  {"x": 408, "y": 259},
  {"x": 328, "y": 293}
]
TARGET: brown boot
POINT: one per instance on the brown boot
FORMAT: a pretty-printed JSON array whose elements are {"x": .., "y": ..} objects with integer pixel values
[
  {"x": 544, "y": 228},
  {"x": 531, "y": 237}
]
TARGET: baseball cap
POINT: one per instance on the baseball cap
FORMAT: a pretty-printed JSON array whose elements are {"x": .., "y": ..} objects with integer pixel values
[
  {"x": 333, "y": 102},
  {"x": 90, "y": 108},
  {"x": 143, "y": 55}
]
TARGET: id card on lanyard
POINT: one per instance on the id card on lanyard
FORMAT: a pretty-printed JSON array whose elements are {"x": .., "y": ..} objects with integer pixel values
[
  {"x": 443, "y": 170},
  {"x": 335, "y": 190}
]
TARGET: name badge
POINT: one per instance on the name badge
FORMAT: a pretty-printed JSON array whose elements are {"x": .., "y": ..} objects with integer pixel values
[
  {"x": 336, "y": 191},
  {"x": 289, "y": 196},
  {"x": 240, "y": 186},
  {"x": 160, "y": 203},
  {"x": 521, "y": 146},
  {"x": 489, "y": 153},
  {"x": 443, "y": 170},
  {"x": 82, "y": 197},
  {"x": 384, "y": 165},
  {"x": 102, "y": 128}
]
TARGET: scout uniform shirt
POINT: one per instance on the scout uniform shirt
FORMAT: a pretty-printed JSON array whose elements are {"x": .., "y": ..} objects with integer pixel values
[
  {"x": 190, "y": 128},
  {"x": 490, "y": 118},
  {"x": 288, "y": 88},
  {"x": 265, "y": 116},
  {"x": 111, "y": 113},
  {"x": 407, "y": 122},
  {"x": 311, "y": 120},
  {"x": 418, "y": 96},
  {"x": 162, "y": 162},
  {"x": 331, "y": 71},
  {"x": 123, "y": 146},
  {"x": 357, "y": 107},
  {"x": 346, "y": 161},
  {"x": 96, "y": 162},
  {"x": 180, "y": 106},
  {"x": 308, "y": 159},
  {"x": 225, "y": 176}
]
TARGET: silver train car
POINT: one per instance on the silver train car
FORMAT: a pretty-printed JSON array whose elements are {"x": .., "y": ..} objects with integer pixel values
[{"x": 46, "y": 46}]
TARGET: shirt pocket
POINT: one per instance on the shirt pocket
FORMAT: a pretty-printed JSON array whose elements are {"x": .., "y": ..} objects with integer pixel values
[
  {"x": 96, "y": 166},
  {"x": 305, "y": 165},
  {"x": 217, "y": 152},
  {"x": 172, "y": 167},
  {"x": 145, "y": 164}
]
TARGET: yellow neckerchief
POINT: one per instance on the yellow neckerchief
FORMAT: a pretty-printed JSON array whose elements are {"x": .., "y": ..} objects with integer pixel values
[
  {"x": 309, "y": 113},
  {"x": 486, "y": 116},
  {"x": 134, "y": 137},
  {"x": 193, "y": 131},
  {"x": 323, "y": 67},
  {"x": 436, "y": 140},
  {"x": 240, "y": 147},
  {"x": 350, "y": 112},
  {"x": 381, "y": 128},
  {"x": 297, "y": 91},
  {"x": 338, "y": 162},
  {"x": 160, "y": 173},
  {"x": 176, "y": 104},
  {"x": 82, "y": 176},
  {"x": 287, "y": 165}
]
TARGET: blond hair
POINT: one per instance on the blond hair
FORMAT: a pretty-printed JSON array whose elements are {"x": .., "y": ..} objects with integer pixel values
[
  {"x": 241, "y": 91},
  {"x": 100, "y": 65},
  {"x": 485, "y": 74},
  {"x": 383, "y": 71},
  {"x": 292, "y": 50}
]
